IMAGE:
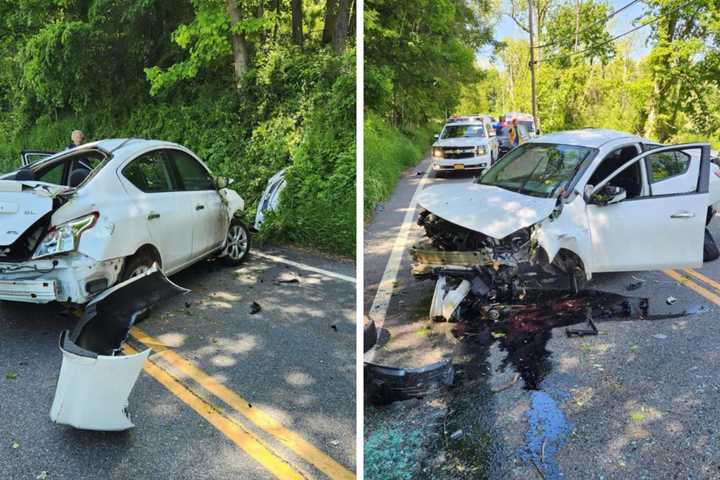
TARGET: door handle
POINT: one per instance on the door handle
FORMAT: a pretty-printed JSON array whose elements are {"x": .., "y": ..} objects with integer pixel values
[
  {"x": 200, "y": 207},
  {"x": 682, "y": 214},
  {"x": 153, "y": 216}
]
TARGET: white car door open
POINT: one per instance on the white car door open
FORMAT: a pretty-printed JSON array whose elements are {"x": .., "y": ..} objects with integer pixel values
[{"x": 662, "y": 228}]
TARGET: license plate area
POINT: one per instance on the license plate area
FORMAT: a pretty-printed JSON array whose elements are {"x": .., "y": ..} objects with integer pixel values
[{"x": 459, "y": 166}]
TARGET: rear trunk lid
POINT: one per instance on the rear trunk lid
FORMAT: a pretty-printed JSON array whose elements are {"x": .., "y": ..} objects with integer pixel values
[{"x": 22, "y": 204}]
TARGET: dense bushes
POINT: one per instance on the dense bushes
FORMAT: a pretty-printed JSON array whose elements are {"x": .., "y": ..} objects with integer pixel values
[{"x": 389, "y": 152}]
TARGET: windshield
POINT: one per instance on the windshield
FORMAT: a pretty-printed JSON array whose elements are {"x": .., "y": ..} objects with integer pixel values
[
  {"x": 457, "y": 131},
  {"x": 537, "y": 169}
]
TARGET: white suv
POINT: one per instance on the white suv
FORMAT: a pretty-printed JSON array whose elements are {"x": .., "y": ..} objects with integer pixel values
[
  {"x": 78, "y": 222},
  {"x": 465, "y": 143}
]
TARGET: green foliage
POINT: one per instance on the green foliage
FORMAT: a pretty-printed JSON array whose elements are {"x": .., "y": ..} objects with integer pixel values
[
  {"x": 417, "y": 55},
  {"x": 388, "y": 153}
]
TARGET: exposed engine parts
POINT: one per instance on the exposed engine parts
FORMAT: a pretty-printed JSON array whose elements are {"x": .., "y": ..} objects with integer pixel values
[{"x": 477, "y": 271}]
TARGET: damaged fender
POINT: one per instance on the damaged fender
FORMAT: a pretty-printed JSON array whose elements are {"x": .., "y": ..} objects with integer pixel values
[
  {"x": 95, "y": 381},
  {"x": 568, "y": 231}
]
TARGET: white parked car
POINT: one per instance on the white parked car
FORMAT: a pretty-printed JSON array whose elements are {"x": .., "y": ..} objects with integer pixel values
[
  {"x": 465, "y": 143},
  {"x": 78, "y": 222},
  {"x": 585, "y": 201}
]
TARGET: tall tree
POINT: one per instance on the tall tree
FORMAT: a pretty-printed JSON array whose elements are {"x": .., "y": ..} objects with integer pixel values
[
  {"x": 297, "y": 22},
  {"x": 341, "y": 25},
  {"x": 329, "y": 21},
  {"x": 241, "y": 50}
]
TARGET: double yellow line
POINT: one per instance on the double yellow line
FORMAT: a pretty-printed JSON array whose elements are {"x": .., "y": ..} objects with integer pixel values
[
  {"x": 684, "y": 279},
  {"x": 233, "y": 430}
]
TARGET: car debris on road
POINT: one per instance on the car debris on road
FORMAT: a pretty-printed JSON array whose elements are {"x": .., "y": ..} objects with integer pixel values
[{"x": 95, "y": 380}]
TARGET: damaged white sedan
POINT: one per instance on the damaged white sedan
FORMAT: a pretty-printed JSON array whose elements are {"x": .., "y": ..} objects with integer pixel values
[
  {"x": 80, "y": 221},
  {"x": 562, "y": 207}
]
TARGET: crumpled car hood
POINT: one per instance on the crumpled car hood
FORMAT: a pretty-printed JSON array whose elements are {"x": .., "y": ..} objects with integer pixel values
[{"x": 486, "y": 209}]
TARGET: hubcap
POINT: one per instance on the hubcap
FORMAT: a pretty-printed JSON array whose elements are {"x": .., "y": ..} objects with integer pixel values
[{"x": 237, "y": 242}]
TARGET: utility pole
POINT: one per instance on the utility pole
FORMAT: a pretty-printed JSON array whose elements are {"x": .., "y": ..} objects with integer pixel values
[{"x": 531, "y": 14}]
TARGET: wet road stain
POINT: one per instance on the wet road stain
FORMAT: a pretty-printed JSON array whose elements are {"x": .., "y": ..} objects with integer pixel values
[
  {"x": 546, "y": 435},
  {"x": 523, "y": 329}
]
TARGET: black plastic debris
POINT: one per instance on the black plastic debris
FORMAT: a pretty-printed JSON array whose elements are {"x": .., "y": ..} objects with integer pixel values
[
  {"x": 385, "y": 384},
  {"x": 710, "y": 248},
  {"x": 255, "y": 308},
  {"x": 370, "y": 335},
  {"x": 635, "y": 285},
  {"x": 95, "y": 379}
]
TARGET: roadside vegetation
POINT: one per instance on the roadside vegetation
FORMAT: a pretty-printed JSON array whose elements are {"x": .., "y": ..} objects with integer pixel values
[
  {"x": 586, "y": 78},
  {"x": 252, "y": 87},
  {"x": 417, "y": 56}
]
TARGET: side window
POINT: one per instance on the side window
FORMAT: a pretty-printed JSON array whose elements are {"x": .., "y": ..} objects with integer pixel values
[
  {"x": 149, "y": 173},
  {"x": 54, "y": 175},
  {"x": 665, "y": 165},
  {"x": 193, "y": 175}
]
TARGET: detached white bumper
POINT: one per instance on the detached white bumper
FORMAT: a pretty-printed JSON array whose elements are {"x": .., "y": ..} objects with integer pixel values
[
  {"x": 74, "y": 278},
  {"x": 473, "y": 163}
]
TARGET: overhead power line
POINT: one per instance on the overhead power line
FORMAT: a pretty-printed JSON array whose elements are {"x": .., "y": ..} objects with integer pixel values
[
  {"x": 617, "y": 37},
  {"x": 604, "y": 20}
]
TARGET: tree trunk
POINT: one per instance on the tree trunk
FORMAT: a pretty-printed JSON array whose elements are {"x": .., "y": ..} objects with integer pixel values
[
  {"x": 329, "y": 24},
  {"x": 297, "y": 22},
  {"x": 241, "y": 50},
  {"x": 341, "y": 25}
]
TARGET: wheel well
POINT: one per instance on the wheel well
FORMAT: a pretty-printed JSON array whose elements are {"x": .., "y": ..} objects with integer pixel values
[
  {"x": 568, "y": 260},
  {"x": 150, "y": 250}
]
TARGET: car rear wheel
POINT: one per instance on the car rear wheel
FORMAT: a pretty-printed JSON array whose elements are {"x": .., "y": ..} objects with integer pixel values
[
  {"x": 237, "y": 243},
  {"x": 137, "y": 265}
]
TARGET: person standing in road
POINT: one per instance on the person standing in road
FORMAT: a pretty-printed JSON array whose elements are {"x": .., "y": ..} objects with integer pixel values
[{"x": 77, "y": 137}]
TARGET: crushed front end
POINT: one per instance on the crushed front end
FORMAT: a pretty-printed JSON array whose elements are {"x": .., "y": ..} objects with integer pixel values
[{"x": 474, "y": 270}]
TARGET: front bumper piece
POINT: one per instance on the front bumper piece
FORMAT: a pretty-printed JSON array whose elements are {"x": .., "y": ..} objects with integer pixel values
[{"x": 95, "y": 380}]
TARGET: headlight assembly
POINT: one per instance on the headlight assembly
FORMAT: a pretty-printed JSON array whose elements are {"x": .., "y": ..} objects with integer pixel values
[
  {"x": 65, "y": 237},
  {"x": 437, "y": 152},
  {"x": 480, "y": 150}
]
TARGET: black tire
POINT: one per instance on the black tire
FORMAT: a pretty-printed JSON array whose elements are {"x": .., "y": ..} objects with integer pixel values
[
  {"x": 237, "y": 247},
  {"x": 439, "y": 174},
  {"x": 137, "y": 264},
  {"x": 710, "y": 248}
]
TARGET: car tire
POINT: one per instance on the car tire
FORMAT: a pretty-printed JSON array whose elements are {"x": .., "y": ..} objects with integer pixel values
[
  {"x": 237, "y": 243},
  {"x": 710, "y": 248},
  {"x": 136, "y": 265}
]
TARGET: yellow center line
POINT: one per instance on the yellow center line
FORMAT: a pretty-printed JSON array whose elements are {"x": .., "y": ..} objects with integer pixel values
[
  {"x": 703, "y": 278},
  {"x": 287, "y": 437},
  {"x": 237, "y": 434},
  {"x": 683, "y": 280}
]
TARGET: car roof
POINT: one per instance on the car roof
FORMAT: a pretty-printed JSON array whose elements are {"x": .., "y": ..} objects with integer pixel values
[
  {"x": 124, "y": 147},
  {"x": 587, "y": 137}
]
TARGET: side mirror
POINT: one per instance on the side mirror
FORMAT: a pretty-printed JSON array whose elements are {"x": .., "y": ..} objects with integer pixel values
[
  {"x": 607, "y": 195},
  {"x": 436, "y": 136},
  {"x": 223, "y": 182}
]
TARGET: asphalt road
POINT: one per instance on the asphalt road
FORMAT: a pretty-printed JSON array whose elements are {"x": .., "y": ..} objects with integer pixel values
[
  {"x": 638, "y": 401},
  {"x": 274, "y": 392}
]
